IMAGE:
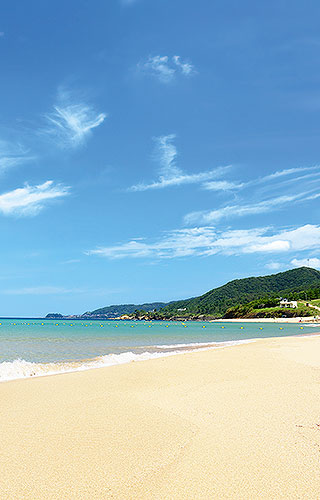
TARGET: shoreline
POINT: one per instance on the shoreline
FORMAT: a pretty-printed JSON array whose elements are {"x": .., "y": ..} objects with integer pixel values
[
  {"x": 35, "y": 370},
  {"x": 229, "y": 423},
  {"x": 21, "y": 369}
]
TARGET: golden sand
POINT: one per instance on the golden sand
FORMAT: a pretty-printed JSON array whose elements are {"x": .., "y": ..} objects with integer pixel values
[
  {"x": 299, "y": 319},
  {"x": 241, "y": 422}
]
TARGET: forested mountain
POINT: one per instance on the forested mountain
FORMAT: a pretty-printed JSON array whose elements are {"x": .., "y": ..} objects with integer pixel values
[
  {"x": 227, "y": 300},
  {"x": 118, "y": 310},
  {"x": 303, "y": 282}
]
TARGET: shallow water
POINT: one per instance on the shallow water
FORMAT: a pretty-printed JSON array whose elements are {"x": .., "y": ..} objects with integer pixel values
[{"x": 40, "y": 347}]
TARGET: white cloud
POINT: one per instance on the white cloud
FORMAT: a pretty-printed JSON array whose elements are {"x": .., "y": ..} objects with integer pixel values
[
  {"x": 312, "y": 262},
  {"x": 222, "y": 185},
  {"x": 71, "y": 123},
  {"x": 179, "y": 180},
  {"x": 166, "y": 68},
  {"x": 289, "y": 181},
  {"x": 170, "y": 174},
  {"x": 30, "y": 200},
  {"x": 7, "y": 162},
  {"x": 207, "y": 217},
  {"x": 285, "y": 172},
  {"x": 167, "y": 156},
  {"x": 205, "y": 241},
  {"x": 12, "y": 155},
  {"x": 273, "y": 266},
  {"x": 303, "y": 238},
  {"x": 297, "y": 188},
  {"x": 269, "y": 246},
  {"x": 313, "y": 196},
  {"x": 174, "y": 244},
  {"x": 186, "y": 68},
  {"x": 289, "y": 172}
]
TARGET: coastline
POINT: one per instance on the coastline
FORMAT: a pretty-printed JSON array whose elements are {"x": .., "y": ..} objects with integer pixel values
[
  {"x": 89, "y": 345},
  {"x": 241, "y": 422}
]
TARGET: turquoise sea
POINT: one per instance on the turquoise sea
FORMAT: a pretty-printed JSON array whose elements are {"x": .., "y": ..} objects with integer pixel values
[{"x": 43, "y": 347}]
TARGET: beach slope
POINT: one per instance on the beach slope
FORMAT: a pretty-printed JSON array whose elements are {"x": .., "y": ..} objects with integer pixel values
[{"x": 240, "y": 422}]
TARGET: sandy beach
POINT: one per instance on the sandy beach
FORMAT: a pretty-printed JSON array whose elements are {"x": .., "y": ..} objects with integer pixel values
[
  {"x": 302, "y": 319},
  {"x": 240, "y": 422}
]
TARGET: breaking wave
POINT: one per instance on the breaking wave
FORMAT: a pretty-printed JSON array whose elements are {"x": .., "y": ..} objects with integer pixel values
[{"x": 20, "y": 368}]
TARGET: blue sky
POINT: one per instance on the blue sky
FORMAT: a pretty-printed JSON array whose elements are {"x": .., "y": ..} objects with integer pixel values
[{"x": 152, "y": 150}]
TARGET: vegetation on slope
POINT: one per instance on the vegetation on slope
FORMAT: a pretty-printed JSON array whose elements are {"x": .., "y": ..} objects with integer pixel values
[
  {"x": 315, "y": 302},
  {"x": 118, "y": 310},
  {"x": 268, "y": 308},
  {"x": 300, "y": 283},
  {"x": 248, "y": 297}
]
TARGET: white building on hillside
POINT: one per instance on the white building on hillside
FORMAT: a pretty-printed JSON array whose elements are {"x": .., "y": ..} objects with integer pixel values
[{"x": 288, "y": 303}]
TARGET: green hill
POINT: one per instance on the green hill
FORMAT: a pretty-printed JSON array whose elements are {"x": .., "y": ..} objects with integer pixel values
[
  {"x": 238, "y": 298},
  {"x": 302, "y": 282},
  {"x": 118, "y": 310}
]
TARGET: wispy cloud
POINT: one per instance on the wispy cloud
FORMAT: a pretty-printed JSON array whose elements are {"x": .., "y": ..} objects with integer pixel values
[
  {"x": 167, "y": 156},
  {"x": 285, "y": 172},
  {"x": 271, "y": 192},
  {"x": 206, "y": 241},
  {"x": 207, "y": 217},
  {"x": 170, "y": 174},
  {"x": 166, "y": 68},
  {"x": 30, "y": 200},
  {"x": 70, "y": 123},
  {"x": 185, "y": 67},
  {"x": 223, "y": 185},
  {"x": 288, "y": 176},
  {"x": 312, "y": 262},
  {"x": 12, "y": 155},
  {"x": 289, "y": 181}
]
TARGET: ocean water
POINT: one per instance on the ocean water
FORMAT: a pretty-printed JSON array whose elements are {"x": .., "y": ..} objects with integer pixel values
[{"x": 42, "y": 347}]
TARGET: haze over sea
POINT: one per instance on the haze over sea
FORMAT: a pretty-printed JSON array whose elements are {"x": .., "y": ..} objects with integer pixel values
[{"x": 42, "y": 347}]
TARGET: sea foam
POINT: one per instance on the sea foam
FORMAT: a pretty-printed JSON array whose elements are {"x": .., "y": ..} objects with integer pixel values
[
  {"x": 20, "y": 368},
  {"x": 204, "y": 344}
]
